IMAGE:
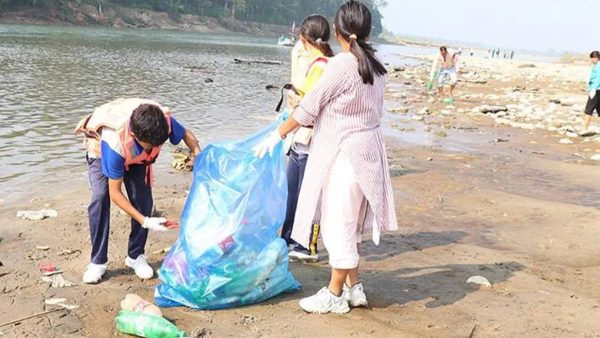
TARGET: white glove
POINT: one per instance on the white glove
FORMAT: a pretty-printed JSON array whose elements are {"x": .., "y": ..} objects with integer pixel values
[
  {"x": 267, "y": 145},
  {"x": 154, "y": 223},
  {"x": 592, "y": 94}
]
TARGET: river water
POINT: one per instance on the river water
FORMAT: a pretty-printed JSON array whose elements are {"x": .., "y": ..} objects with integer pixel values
[{"x": 51, "y": 76}]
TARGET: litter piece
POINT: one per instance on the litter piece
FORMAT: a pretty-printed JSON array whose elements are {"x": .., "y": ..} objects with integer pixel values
[
  {"x": 146, "y": 325},
  {"x": 58, "y": 281},
  {"x": 37, "y": 215},
  {"x": 48, "y": 269}
]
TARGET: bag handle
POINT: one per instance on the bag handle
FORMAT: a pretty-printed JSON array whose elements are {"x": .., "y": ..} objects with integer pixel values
[{"x": 287, "y": 86}]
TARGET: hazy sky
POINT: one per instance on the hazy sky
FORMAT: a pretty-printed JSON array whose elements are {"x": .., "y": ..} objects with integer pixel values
[{"x": 541, "y": 25}]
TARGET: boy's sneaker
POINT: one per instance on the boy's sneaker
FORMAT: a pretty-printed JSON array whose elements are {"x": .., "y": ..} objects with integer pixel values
[
  {"x": 93, "y": 273},
  {"x": 324, "y": 302},
  {"x": 300, "y": 256},
  {"x": 140, "y": 266},
  {"x": 355, "y": 295}
]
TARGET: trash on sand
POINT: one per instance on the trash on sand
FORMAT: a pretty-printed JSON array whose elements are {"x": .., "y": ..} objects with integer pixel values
[
  {"x": 58, "y": 281},
  {"x": 135, "y": 303},
  {"x": 162, "y": 251},
  {"x": 565, "y": 141},
  {"x": 43, "y": 247},
  {"x": 60, "y": 302},
  {"x": 65, "y": 252},
  {"x": 146, "y": 325},
  {"x": 479, "y": 280},
  {"x": 54, "y": 301},
  {"x": 37, "y": 215},
  {"x": 182, "y": 160},
  {"x": 49, "y": 269}
]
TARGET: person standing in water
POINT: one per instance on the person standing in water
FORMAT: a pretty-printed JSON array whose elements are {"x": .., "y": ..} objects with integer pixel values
[
  {"x": 593, "y": 102},
  {"x": 347, "y": 185},
  {"x": 445, "y": 66}
]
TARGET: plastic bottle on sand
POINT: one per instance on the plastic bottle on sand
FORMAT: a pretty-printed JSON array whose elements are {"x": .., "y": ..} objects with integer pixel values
[
  {"x": 136, "y": 303},
  {"x": 146, "y": 325}
]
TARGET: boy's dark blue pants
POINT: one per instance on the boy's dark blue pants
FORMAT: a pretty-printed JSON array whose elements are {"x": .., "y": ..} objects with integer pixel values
[
  {"x": 140, "y": 196},
  {"x": 295, "y": 174}
]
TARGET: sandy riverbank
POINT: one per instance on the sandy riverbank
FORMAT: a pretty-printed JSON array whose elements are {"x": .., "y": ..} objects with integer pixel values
[{"x": 474, "y": 197}]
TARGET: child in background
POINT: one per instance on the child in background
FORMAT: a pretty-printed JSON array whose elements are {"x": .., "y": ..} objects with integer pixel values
[
  {"x": 308, "y": 63},
  {"x": 593, "y": 103}
]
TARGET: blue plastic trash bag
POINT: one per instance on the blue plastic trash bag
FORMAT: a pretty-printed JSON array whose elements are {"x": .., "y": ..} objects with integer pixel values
[{"x": 228, "y": 252}]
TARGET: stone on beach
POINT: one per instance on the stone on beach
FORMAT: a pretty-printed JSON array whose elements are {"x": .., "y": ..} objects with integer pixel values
[
  {"x": 565, "y": 141},
  {"x": 485, "y": 109},
  {"x": 402, "y": 110},
  {"x": 37, "y": 215},
  {"x": 479, "y": 280}
]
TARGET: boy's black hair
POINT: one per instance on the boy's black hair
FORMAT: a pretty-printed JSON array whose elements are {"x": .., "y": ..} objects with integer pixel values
[
  {"x": 149, "y": 124},
  {"x": 595, "y": 54}
]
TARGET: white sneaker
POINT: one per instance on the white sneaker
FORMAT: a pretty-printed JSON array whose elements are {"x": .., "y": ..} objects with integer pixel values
[
  {"x": 302, "y": 257},
  {"x": 323, "y": 302},
  {"x": 140, "y": 266},
  {"x": 355, "y": 295},
  {"x": 93, "y": 273}
]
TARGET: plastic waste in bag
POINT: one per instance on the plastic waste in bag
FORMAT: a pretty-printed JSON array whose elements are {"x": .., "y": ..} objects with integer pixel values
[
  {"x": 229, "y": 252},
  {"x": 146, "y": 325}
]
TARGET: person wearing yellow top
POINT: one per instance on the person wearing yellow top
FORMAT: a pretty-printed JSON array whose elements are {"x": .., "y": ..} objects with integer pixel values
[{"x": 311, "y": 59}]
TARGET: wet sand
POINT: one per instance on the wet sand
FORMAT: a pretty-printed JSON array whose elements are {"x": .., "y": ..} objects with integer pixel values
[{"x": 473, "y": 198}]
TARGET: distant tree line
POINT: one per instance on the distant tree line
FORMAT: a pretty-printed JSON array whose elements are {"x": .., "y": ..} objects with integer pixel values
[{"x": 282, "y": 12}]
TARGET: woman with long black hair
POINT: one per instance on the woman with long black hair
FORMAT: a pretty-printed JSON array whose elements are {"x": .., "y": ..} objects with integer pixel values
[{"x": 347, "y": 187}]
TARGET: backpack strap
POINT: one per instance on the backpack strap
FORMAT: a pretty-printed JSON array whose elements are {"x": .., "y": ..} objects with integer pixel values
[{"x": 317, "y": 60}]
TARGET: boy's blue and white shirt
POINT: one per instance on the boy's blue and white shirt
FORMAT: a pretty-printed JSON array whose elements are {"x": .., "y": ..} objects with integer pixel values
[{"x": 113, "y": 159}]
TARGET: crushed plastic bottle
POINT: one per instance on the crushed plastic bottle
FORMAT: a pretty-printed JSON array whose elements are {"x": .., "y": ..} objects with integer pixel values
[{"x": 146, "y": 325}]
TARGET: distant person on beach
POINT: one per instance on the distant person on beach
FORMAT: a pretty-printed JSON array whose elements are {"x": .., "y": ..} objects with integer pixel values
[
  {"x": 512, "y": 54},
  {"x": 316, "y": 51},
  {"x": 445, "y": 67},
  {"x": 123, "y": 138},
  {"x": 593, "y": 103},
  {"x": 347, "y": 184}
]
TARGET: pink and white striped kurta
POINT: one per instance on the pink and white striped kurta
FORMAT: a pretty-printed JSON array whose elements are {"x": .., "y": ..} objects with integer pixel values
[{"x": 346, "y": 114}]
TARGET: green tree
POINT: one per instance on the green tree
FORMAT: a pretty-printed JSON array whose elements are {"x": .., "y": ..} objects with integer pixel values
[{"x": 282, "y": 12}]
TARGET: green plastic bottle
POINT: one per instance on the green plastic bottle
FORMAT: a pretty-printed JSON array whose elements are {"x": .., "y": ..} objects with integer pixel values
[{"x": 146, "y": 325}]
